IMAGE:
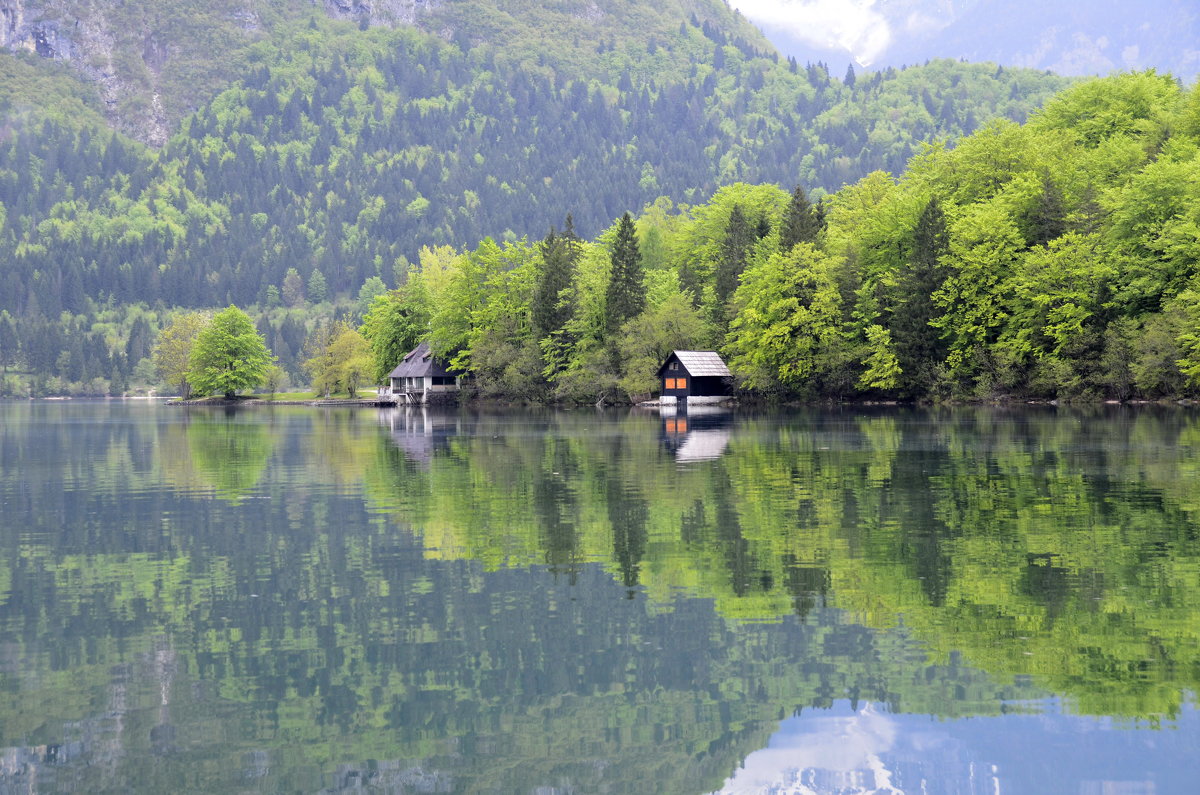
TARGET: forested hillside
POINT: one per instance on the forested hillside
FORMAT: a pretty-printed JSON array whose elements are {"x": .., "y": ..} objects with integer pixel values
[
  {"x": 149, "y": 63},
  {"x": 1058, "y": 258},
  {"x": 344, "y": 151}
]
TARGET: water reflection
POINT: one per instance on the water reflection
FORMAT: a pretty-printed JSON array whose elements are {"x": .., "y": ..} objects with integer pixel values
[
  {"x": 698, "y": 434},
  {"x": 467, "y": 601},
  {"x": 420, "y": 431}
]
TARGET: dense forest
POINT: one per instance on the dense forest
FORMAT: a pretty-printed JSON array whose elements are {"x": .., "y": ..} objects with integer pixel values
[
  {"x": 343, "y": 152},
  {"x": 1052, "y": 259}
]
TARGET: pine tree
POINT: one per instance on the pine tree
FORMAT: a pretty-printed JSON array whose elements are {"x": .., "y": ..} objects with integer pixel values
[
  {"x": 735, "y": 251},
  {"x": 918, "y": 345},
  {"x": 138, "y": 346},
  {"x": 626, "y": 296},
  {"x": 317, "y": 289},
  {"x": 1047, "y": 219},
  {"x": 559, "y": 253},
  {"x": 801, "y": 223}
]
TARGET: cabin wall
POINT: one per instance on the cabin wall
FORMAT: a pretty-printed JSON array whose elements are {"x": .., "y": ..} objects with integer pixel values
[{"x": 693, "y": 387}]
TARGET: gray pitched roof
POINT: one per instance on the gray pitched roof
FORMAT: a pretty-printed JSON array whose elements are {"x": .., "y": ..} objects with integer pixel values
[
  {"x": 419, "y": 363},
  {"x": 700, "y": 364}
]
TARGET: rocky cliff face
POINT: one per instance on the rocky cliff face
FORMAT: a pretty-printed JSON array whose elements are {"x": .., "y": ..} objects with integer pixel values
[{"x": 154, "y": 61}]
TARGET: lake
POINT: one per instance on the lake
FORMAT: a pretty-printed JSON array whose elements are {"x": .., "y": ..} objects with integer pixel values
[{"x": 975, "y": 600}]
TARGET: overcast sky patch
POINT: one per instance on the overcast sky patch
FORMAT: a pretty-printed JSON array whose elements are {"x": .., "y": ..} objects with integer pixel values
[{"x": 852, "y": 25}]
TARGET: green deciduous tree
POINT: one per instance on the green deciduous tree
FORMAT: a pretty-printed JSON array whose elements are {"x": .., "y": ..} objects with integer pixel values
[
  {"x": 646, "y": 340},
  {"x": 173, "y": 351},
  {"x": 787, "y": 329},
  {"x": 229, "y": 355}
]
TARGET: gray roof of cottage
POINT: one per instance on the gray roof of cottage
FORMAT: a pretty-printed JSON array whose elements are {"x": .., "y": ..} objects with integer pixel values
[
  {"x": 419, "y": 363},
  {"x": 700, "y": 364}
]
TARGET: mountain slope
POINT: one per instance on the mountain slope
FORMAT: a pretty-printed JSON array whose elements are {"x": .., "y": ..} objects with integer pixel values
[
  {"x": 347, "y": 151},
  {"x": 155, "y": 61}
]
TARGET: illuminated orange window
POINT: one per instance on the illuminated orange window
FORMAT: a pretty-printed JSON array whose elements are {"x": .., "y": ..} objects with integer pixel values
[
  {"x": 681, "y": 383},
  {"x": 670, "y": 384}
]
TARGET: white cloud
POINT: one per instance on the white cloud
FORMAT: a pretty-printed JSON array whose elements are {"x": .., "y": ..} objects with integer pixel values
[
  {"x": 853, "y": 25},
  {"x": 846, "y": 748}
]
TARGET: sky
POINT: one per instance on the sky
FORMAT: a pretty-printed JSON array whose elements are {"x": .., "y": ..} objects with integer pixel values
[{"x": 853, "y": 25}]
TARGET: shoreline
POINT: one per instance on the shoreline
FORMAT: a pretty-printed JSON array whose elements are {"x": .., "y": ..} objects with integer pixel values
[{"x": 746, "y": 402}]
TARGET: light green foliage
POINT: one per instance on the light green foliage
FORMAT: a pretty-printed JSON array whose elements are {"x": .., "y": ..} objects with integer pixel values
[
  {"x": 229, "y": 355},
  {"x": 672, "y": 323},
  {"x": 1137, "y": 105},
  {"x": 173, "y": 352},
  {"x": 394, "y": 325},
  {"x": 371, "y": 289},
  {"x": 984, "y": 243},
  {"x": 788, "y": 312},
  {"x": 503, "y": 349},
  {"x": 1187, "y": 305},
  {"x": 881, "y": 369},
  {"x": 320, "y": 364}
]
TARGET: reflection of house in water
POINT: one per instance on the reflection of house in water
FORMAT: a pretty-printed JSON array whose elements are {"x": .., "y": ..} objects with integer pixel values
[
  {"x": 697, "y": 434},
  {"x": 420, "y": 431}
]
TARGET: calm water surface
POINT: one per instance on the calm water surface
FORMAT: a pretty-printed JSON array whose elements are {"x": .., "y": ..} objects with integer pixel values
[{"x": 304, "y": 600}]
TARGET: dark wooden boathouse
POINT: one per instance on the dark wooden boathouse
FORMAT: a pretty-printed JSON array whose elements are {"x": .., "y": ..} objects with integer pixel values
[{"x": 694, "y": 374}]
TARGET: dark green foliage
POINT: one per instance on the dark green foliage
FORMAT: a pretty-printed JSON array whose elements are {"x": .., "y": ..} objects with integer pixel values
[
  {"x": 1047, "y": 217},
  {"x": 8, "y": 342},
  {"x": 550, "y": 308},
  {"x": 735, "y": 253},
  {"x": 317, "y": 290},
  {"x": 801, "y": 222},
  {"x": 919, "y": 347},
  {"x": 626, "y": 296}
]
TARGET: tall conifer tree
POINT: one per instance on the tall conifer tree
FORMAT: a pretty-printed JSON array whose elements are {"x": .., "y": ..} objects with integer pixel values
[
  {"x": 560, "y": 253},
  {"x": 626, "y": 297},
  {"x": 735, "y": 252},
  {"x": 800, "y": 222},
  {"x": 919, "y": 346}
]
